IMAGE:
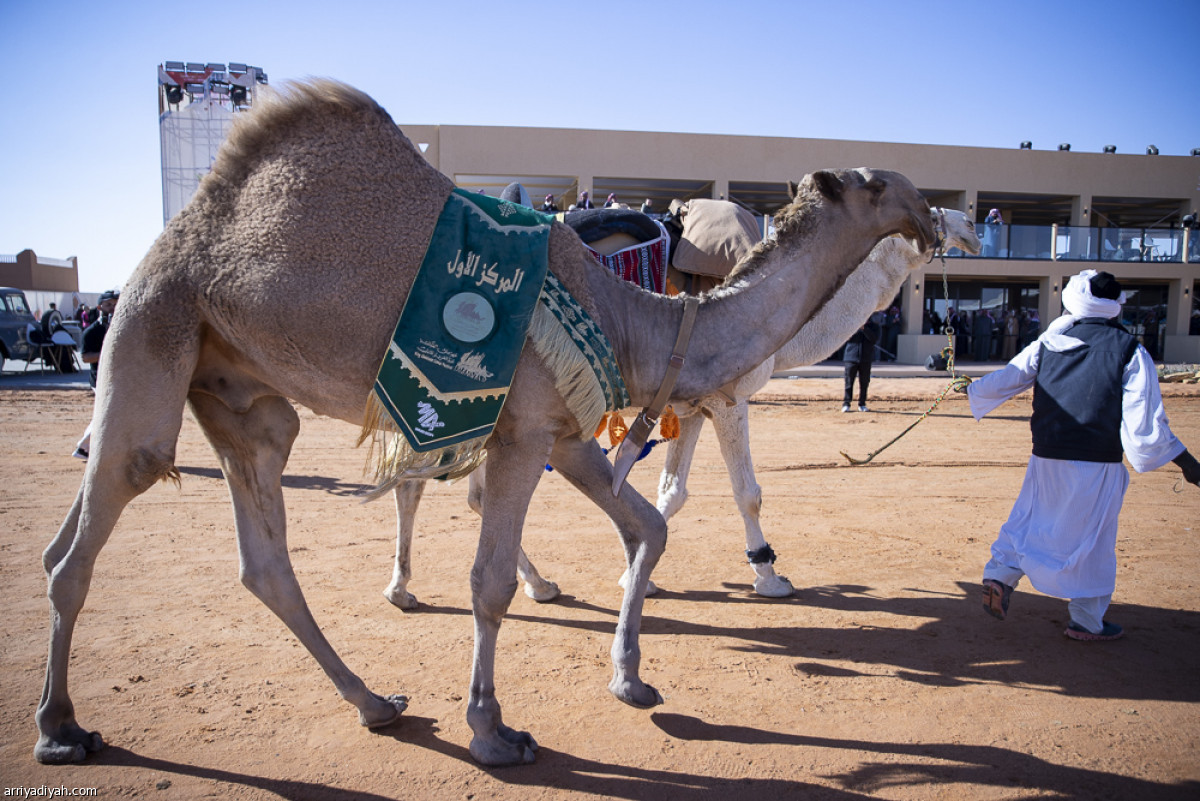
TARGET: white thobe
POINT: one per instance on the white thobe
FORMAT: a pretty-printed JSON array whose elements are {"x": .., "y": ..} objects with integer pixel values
[{"x": 1062, "y": 531}]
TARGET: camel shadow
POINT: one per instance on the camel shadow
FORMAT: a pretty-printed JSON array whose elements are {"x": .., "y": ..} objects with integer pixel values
[
  {"x": 956, "y": 644},
  {"x": 334, "y": 486},
  {"x": 967, "y": 765},
  {"x": 985, "y": 766}
]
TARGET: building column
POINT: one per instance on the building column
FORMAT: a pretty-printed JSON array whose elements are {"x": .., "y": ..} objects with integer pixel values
[
  {"x": 720, "y": 189},
  {"x": 912, "y": 305},
  {"x": 1049, "y": 298},
  {"x": 1177, "y": 345},
  {"x": 1081, "y": 210},
  {"x": 584, "y": 182},
  {"x": 970, "y": 199}
]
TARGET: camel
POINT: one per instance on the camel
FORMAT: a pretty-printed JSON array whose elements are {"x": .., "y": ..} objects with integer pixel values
[
  {"x": 870, "y": 288},
  {"x": 318, "y": 203}
]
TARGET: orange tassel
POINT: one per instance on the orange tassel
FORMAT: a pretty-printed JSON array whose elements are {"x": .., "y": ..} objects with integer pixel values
[
  {"x": 668, "y": 425},
  {"x": 616, "y": 429},
  {"x": 600, "y": 429}
]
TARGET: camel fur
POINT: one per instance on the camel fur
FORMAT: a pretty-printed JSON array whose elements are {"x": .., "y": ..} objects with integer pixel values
[
  {"x": 318, "y": 204},
  {"x": 870, "y": 288}
]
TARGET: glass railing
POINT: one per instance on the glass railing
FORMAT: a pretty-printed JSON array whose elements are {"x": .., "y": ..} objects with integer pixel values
[{"x": 1083, "y": 243}]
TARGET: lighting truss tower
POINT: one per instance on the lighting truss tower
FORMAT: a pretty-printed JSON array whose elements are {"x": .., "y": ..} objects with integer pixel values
[{"x": 196, "y": 106}]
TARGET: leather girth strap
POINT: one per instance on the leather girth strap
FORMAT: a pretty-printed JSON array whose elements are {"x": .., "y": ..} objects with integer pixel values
[{"x": 631, "y": 447}]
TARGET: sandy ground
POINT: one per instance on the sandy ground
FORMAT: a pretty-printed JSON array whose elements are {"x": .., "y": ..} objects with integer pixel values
[{"x": 880, "y": 678}]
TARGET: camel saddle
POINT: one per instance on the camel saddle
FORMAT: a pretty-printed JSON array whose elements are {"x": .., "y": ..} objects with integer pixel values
[
  {"x": 634, "y": 246},
  {"x": 709, "y": 237}
]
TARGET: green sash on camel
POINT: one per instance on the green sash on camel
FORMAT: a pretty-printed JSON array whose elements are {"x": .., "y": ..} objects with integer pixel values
[{"x": 480, "y": 292}]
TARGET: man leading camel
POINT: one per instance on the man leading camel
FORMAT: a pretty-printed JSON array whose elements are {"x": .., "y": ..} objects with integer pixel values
[{"x": 1095, "y": 397}]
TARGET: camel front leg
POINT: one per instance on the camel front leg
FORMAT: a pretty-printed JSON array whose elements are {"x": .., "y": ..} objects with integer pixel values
[
  {"x": 253, "y": 448},
  {"x": 672, "y": 484},
  {"x": 408, "y": 497},
  {"x": 643, "y": 534},
  {"x": 514, "y": 470},
  {"x": 131, "y": 450},
  {"x": 732, "y": 424}
]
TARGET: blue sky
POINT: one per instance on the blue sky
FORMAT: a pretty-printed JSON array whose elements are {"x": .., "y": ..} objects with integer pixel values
[{"x": 79, "y": 147}]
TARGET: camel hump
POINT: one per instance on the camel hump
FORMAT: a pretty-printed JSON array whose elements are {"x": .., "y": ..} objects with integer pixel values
[
  {"x": 717, "y": 234},
  {"x": 280, "y": 111}
]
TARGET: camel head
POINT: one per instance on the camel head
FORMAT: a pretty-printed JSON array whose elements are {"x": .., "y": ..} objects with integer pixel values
[
  {"x": 883, "y": 196},
  {"x": 955, "y": 230}
]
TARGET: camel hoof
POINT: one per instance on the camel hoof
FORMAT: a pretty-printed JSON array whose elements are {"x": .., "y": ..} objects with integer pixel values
[
  {"x": 386, "y": 712},
  {"x": 401, "y": 599},
  {"x": 637, "y": 694},
  {"x": 74, "y": 746},
  {"x": 543, "y": 593},
  {"x": 651, "y": 587},
  {"x": 506, "y": 747},
  {"x": 773, "y": 587}
]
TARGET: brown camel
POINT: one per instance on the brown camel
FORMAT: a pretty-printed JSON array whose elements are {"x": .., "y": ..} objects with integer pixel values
[{"x": 317, "y": 203}]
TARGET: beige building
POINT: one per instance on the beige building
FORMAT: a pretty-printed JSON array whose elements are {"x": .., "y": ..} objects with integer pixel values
[{"x": 1063, "y": 211}]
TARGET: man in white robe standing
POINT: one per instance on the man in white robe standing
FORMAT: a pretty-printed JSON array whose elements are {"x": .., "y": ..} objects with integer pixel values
[{"x": 1095, "y": 398}]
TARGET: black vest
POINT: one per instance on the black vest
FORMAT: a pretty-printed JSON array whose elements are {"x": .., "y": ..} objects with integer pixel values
[{"x": 1077, "y": 394}]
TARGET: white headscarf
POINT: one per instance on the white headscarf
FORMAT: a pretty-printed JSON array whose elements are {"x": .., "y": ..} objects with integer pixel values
[{"x": 1078, "y": 300}]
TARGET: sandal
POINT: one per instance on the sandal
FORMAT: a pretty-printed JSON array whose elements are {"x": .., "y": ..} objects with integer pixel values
[
  {"x": 995, "y": 598},
  {"x": 1111, "y": 631}
]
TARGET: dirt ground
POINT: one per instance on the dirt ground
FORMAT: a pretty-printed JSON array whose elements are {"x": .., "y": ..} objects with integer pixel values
[{"x": 881, "y": 677}]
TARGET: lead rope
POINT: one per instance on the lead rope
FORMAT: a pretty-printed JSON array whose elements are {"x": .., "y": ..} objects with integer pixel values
[{"x": 947, "y": 352}]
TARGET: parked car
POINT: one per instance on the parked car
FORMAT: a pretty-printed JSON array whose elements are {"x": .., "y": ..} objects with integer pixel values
[
  {"x": 15, "y": 318},
  {"x": 53, "y": 340}
]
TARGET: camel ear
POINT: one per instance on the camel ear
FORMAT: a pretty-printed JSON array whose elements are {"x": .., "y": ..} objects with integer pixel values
[
  {"x": 876, "y": 187},
  {"x": 829, "y": 184},
  {"x": 792, "y": 190}
]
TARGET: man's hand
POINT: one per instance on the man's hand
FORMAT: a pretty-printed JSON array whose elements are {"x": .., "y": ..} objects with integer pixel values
[
  {"x": 960, "y": 384},
  {"x": 1190, "y": 467}
]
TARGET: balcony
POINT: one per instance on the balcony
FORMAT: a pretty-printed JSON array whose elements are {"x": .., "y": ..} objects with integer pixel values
[{"x": 1082, "y": 243}]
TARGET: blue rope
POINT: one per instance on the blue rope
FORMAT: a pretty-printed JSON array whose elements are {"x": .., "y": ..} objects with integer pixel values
[{"x": 649, "y": 446}]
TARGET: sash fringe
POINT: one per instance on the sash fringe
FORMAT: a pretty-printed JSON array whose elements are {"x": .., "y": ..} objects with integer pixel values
[
  {"x": 390, "y": 459},
  {"x": 574, "y": 377}
]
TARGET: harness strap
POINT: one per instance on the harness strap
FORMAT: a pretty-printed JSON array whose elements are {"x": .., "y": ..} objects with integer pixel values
[{"x": 639, "y": 431}]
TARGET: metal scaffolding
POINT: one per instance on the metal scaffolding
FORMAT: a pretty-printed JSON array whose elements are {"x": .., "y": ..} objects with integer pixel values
[{"x": 196, "y": 107}]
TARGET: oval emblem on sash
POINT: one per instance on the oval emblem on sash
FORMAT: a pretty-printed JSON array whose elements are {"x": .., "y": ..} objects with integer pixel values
[{"x": 468, "y": 316}]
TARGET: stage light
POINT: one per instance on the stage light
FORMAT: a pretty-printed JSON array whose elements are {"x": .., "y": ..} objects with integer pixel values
[
  {"x": 1027, "y": 145},
  {"x": 238, "y": 95},
  {"x": 1110, "y": 148},
  {"x": 1065, "y": 146},
  {"x": 1152, "y": 151},
  {"x": 174, "y": 95}
]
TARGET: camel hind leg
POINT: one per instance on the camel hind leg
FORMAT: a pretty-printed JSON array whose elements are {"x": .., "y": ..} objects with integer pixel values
[
  {"x": 408, "y": 497},
  {"x": 253, "y": 447},
  {"x": 536, "y": 587},
  {"x": 137, "y": 419}
]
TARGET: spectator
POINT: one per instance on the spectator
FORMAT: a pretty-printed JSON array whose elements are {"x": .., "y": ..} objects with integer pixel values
[
  {"x": 548, "y": 205},
  {"x": 993, "y": 225},
  {"x": 858, "y": 355},
  {"x": 93, "y": 343}
]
